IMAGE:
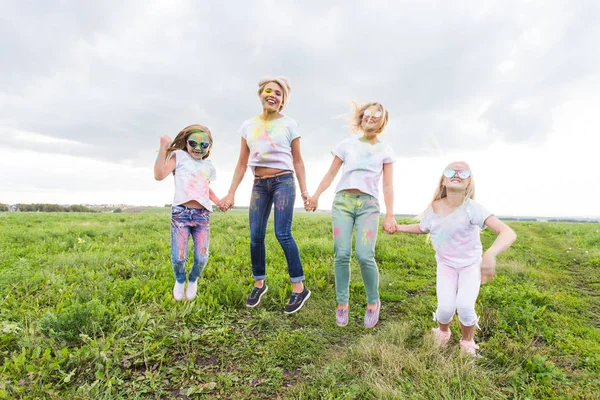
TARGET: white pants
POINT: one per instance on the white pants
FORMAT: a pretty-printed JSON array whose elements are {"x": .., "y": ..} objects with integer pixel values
[{"x": 457, "y": 289}]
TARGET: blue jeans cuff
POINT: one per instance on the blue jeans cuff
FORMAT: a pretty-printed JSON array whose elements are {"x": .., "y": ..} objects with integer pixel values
[
  {"x": 297, "y": 279},
  {"x": 259, "y": 278}
]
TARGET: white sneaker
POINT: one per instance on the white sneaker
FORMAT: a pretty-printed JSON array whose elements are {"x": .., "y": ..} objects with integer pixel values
[
  {"x": 192, "y": 289},
  {"x": 178, "y": 291}
]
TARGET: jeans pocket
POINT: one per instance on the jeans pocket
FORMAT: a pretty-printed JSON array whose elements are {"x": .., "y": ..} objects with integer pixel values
[{"x": 177, "y": 211}]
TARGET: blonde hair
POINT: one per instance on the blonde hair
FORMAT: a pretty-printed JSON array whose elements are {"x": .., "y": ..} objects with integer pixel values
[
  {"x": 358, "y": 112},
  {"x": 440, "y": 191},
  {"x": 281, "y": 81},
  {"x": 180, "y": 141}
]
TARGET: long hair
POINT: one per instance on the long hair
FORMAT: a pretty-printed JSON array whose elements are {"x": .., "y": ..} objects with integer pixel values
[
  {"x": 440, "y": 190},
  {"x": 281, "y": 81},
  {"x": 180, "y": 141},
  {"x": 358, "y": 112}
]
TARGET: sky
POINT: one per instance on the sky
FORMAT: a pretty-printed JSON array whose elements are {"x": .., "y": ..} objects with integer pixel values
[{"x": 511, "y": 87}]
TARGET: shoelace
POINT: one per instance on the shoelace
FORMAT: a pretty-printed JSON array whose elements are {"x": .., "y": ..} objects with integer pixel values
[{"x": 254, "y": 292}]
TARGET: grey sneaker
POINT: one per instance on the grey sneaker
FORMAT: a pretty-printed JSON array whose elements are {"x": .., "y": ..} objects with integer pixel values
[
  {"x": 371, "y": 317},
  {"x": 341, "y": 317},
  {"x": 255, "y": 295}
]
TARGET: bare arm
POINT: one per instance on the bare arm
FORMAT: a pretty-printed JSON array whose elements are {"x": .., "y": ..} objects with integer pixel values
[
  {"x": 162, "y": 167},
  {"x": 413, "y": 228},
  {"x": 506, "y": 237},
  {"x": 238, "y": 175},
  {"x": 330, "y": 175},
  {"x": 213, "y": 197},
  {"x": 389, "y": 223},
  {"x": 299, "y": 168}
]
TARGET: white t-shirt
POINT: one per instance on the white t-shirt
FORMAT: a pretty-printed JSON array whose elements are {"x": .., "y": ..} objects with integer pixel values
[
  {"x": 270, "y": 142},
  {"x": 192, "y": 179},
  {"x": 363, "y": 164},
  {"x": 456, "y": 236}
]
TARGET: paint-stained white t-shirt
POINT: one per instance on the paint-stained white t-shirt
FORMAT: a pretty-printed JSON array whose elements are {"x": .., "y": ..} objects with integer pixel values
[
  {"x": 270, "y": 142},
  {"x": 192, "y": 179},
  {"x": 456, "y": 236},
  {"x": 363, "y": 164}
]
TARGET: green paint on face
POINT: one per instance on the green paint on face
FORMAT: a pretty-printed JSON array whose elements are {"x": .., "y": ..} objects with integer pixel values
[{"x": 198, "y": 137}]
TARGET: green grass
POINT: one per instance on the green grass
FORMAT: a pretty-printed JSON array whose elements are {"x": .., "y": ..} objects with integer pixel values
[{"x": 86, "y": 312}]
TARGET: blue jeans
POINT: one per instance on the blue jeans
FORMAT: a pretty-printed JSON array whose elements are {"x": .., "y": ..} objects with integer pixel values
[
  {"x": 281, "y": 191},
  {"x": 185, "y": 222}
]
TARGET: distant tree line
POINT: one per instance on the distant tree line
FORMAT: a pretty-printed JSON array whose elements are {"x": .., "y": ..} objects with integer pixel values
[
  {"x": 3, "y": 207},
  {"x": 572, "y": 220},
  {"x": 51, "y": 208}
]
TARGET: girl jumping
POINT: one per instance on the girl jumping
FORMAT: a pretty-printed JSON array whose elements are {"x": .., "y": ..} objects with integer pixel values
[
  {"x": 356, "y": 205},
  {"x": 186, "y": 157},
  {"x": 454, "y": 220}
]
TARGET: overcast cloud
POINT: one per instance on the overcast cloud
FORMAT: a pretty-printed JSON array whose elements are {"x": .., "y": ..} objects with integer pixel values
[{"x": 101, "y": 81}]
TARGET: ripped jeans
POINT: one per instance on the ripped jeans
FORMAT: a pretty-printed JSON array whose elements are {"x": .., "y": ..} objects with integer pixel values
[{"x": 185, "y": 222}]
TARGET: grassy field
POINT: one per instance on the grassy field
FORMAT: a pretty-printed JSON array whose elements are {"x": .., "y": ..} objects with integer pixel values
[{"x": 87, "y": 312}]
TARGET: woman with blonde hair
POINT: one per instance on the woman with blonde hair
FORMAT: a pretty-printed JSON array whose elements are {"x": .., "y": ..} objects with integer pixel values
[
  {"x": 270, "y": 145},
  {"x": 454, "y": 221},
  {"x": 364, "y": 158}
]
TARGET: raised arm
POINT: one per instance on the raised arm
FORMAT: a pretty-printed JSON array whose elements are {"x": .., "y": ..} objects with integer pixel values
[
  {"x": 389, "y": 223},
  {"x": 162, "y": 167},
  {"x": 238, "y": 175},
  {"x": 506, "y": 237},
  {"x": 299, "y": 168},
  {"x": 330, "y": 175}
]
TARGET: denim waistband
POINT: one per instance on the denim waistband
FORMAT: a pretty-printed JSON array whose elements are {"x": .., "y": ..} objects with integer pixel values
[
  {"x": 189, "y": 210},
  {"x": 283, "y": 173}
]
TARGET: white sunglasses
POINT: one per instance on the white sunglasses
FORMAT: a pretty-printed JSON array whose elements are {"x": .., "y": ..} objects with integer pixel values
[
  {"x": 376, "y": 114},
  {"x": 462, "y": 174}
]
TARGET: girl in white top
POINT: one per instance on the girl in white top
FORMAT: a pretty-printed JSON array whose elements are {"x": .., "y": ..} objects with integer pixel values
[
  {"x": 186, "y": 157},
  {"x": 454, "y": 221},
  {"x": 270, "y": 145},
  {"x": 356, "y": 205}
]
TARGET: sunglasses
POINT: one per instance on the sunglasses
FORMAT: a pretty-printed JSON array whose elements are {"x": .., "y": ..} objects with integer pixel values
[
  {"x": 376, "y": 114},
  {"x": 195, "y": 144},
  {"x": 462, "y": 174}
]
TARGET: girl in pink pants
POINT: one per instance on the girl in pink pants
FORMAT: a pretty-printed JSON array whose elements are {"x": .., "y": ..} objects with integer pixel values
[{"x": 454, "y": 221}]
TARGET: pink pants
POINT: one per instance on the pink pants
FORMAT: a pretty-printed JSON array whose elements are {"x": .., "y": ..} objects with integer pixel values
[{"x": 457, "y": 289}]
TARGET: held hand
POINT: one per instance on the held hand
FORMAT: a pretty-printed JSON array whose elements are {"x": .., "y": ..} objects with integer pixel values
[
  {"x": 399, "y": 228},
  {"x": 305, "y": 199},
  {"x": 488, "y": 267},
  {"x": 221, "y": 207},
  {"x": 389, "y": 224},
  {"x": 165, "y": 142},
  {"x": 312, "y": 204},
  {"x": 307, "y": 206},
  {"x": 228, "y": 201}
]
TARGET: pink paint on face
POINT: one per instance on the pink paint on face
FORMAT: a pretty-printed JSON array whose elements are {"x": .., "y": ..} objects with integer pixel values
[{"x": 336, "y": 231}]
